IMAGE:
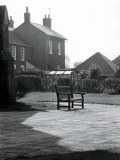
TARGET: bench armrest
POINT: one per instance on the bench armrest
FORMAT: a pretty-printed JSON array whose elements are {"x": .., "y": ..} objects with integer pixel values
[{"x": 78, "y": 92}]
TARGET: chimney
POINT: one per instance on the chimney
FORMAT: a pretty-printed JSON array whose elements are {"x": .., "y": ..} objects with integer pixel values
[
  {"x": 47, "y": 21},
  {"x": 11, "y": 22},
  {"x": 27, "y": 16}
]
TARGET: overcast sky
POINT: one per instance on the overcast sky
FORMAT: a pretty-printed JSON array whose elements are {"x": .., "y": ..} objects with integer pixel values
[{"x": 89, "y": 25}]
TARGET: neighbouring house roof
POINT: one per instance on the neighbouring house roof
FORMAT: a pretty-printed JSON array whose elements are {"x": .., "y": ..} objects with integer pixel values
[
  {"x": 30, "y": 66},
  {"x": 48, "y": 31},
  {"x": 15, "y": 39},
  {"x": 117, "y": 61},
  {"x": 106, "y": 66}
]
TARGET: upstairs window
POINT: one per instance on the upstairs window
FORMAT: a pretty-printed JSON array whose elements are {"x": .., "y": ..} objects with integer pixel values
[
  {"x": 50, "y": 46},
  {"x": 14, "y": 52},
  {"x": 59, "y": 48},
  {"x": 22, "y": 54}
]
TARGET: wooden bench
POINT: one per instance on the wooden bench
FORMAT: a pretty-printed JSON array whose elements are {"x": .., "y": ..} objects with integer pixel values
[{"x": 66, "y": 95}]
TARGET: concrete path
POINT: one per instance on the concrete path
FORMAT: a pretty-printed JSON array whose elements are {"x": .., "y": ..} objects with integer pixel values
[{"x": 53, "y": 131}]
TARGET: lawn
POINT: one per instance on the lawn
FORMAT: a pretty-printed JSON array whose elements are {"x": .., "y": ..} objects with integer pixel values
[
  {"x": 36, "y": 98},
  {"x": 41, "y": 101}
]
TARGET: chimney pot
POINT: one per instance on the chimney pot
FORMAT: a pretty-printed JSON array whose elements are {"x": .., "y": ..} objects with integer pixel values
[
  {"x": 11, "y": 22},
  {"x": 27, "y": 16}
]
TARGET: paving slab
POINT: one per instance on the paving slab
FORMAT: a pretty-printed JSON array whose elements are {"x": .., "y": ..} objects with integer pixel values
[{"x": 60, "y": 131}]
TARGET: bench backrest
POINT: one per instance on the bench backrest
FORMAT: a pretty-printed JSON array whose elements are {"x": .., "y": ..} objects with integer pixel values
[{"x": 63, "y": 89}]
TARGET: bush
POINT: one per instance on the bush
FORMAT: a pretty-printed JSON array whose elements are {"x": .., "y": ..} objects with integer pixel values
[
  {"x": 117, "y": 74},
  {"x": 37, "y": 73},
  {"x": 112, "y": 85},
  {"x": 26, "y": 83},
  {"x": 64, "y": 81},
  {"x": 95, "y": 73},
  {"x": 90, "y": 86}
]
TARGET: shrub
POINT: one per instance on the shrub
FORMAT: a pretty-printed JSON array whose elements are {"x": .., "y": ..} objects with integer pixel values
[
  {"x": 95, "y": 73},
  {"x": 112, "y": 85},
  {"x": 117, "y": 73},
  {"x": 90, "y": 86},
  {"x": 64, "y": 81},
  {"x": 26, "y": 83}
]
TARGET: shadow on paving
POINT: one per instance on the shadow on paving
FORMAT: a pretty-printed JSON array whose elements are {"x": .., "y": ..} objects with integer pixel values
[
  {"x": 19, "y": 106},
  {"x": 17, "y": 139},
  {"x": 86, "y": 155}
]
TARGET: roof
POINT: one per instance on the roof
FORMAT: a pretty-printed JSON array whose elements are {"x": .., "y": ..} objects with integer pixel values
[
  {"x": 60, "y": 72},
  {"x": 48, "y": 31},
  {"x": 117, "y": 61},
  {"x": 106, "y": 66},
  {"x": 15, "y": 39},
  {"x": 30, "y": 66}
]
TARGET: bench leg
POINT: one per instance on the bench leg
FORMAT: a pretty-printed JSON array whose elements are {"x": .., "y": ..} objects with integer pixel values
[
  {"x": 72, "y": 104},
  {"x": 82, "y": 104},
  {"x": 58, "y": 105},
  {"x": 69, "y": 105}
]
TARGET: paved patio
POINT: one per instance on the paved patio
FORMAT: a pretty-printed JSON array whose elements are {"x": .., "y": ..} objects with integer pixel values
[{"x": 52, "y": 131}]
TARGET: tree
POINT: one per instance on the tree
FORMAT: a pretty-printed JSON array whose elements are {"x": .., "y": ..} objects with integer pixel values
[
  {"x": 117, "y": 73},
  {"x": 67, "y": 61},
  {"x": 75, "y": 64}
]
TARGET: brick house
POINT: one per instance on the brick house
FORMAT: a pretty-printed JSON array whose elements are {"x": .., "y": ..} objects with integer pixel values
[
  {"x": 45, "y": 46},
  {"x": 20, "y": 51}
]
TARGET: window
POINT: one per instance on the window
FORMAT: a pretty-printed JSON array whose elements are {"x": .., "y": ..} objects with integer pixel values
[
  {"x": 14, "y": 66},
  {"x": 22, "y": 54},
  {"x": 58, "y": 67},
  {"x": 14, "y": 52},
  {"x": 59, "y": 48},
  {"x": 22, "y": 67},
  {"x": 50, "y": 46}
]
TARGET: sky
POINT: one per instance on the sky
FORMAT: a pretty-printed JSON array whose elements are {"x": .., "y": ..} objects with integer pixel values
[{"x": 89, "y": 26}]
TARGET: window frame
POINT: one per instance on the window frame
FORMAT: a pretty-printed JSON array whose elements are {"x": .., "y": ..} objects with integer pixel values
[
  {"x": 59, "y": 48},
  {"x": 14, "y": 53},
  {"x": 50, "y": 47},
  {"x": 22, "y": 53}
]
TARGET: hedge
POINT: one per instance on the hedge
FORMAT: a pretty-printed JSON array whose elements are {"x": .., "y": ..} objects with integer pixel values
[{"x": 26, "y": 83}]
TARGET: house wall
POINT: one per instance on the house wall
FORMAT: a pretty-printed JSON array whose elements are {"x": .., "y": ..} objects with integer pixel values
[
  {"x": 40, "y": 47},
  {"x": 18, "y": 61},
  {"x": 36, "y": 39},
  {"x": 54, "y": 60}
]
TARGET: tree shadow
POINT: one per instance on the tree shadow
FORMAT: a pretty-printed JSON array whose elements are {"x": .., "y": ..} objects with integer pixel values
[
  {"x": 19, "y": 140},
  {"x": 20, "y": 106},
  {"x": 86, "y": 155}
]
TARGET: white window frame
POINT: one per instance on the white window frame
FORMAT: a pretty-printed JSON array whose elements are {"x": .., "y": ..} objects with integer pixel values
[
  {"x": 22, "y": 54},
  {"x": 22, "y": 67},
  {"x": 58, "y": 67},
  {"x": 14, "y": 52},
  {"x": 59, "y": 48},
  {"x": 50, "y": 46},
  {"x": 14, "y": 66}
]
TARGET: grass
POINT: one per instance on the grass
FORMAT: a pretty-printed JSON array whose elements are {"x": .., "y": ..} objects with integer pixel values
[
  {"x": 41, "y": 101},
  {"x": 47, "y": 100}
]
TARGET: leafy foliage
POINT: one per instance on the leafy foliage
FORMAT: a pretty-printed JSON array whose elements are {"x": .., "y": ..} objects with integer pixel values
[
  {"x": 26, "y": 83},
  {"x": 112, "y": 85}
]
